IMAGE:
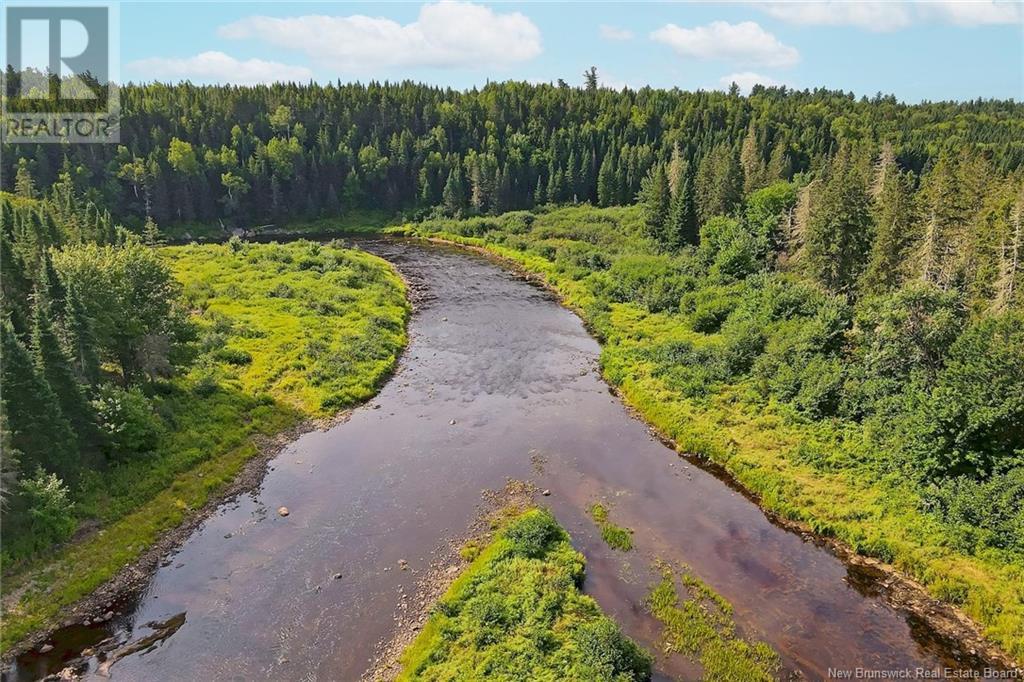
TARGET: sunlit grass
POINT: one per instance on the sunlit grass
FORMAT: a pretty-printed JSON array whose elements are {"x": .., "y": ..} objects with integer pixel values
[
  {"x": 326, "y": 346},
  {"x": 517, "y": 613},
  {"x": 699, "y": 625}
]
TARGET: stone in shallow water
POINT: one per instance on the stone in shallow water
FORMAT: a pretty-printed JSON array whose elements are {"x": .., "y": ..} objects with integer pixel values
[{"x": 283, "y": 511}]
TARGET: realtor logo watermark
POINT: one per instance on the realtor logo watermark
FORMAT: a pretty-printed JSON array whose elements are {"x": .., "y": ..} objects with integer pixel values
[{"x": 61, "y": 79}]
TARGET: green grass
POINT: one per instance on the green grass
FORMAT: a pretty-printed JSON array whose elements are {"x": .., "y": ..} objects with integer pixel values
[
  {"x": 311, "y": 330},
  {"x": 614, "y": 536},
  {"x": 762, "y": 443},
  {"x": 700, "y": 626},
  {"x": 517, "y": 613}
]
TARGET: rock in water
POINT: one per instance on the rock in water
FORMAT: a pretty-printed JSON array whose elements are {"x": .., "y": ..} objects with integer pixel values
[{"x": 282, "y": 511}]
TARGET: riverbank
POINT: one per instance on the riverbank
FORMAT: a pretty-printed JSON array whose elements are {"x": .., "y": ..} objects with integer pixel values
[
  {"x": 253, "y": 388},
  {"x": 872, "y": 522}
]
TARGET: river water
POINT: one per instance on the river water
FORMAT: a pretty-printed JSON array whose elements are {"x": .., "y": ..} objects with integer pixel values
[{"x": 518, "y": 375}]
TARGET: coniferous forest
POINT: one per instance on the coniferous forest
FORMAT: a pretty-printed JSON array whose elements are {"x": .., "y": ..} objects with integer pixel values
[{"x": 851, "y": 269}]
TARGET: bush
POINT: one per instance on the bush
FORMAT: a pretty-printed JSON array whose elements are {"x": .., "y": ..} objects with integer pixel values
[
  {"x": 532, "y": 534},
  {"x": 984, "y": 513},
  {"x": 610, "y": 655},
  {"x": 51, "y": 514},
  {"x": 654, "y": 282},
  {"x": 980, "y": 398},
  {"x": 233, "y": 356},
  {"x": 128, "y": 420}
]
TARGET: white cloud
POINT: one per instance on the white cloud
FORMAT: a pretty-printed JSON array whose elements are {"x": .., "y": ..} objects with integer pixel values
[
  {"x": 448, "y": 33},
  {"x": 218, "y": 67},
  {"x": 893, "y": 15},
  {"x": 615, "y": 33},
  {"x": 743, "y": 43},
  {"x": 747, "y": 80},
  {"x": 973, "y": 12},
  {"x": 874, "y": 16}
]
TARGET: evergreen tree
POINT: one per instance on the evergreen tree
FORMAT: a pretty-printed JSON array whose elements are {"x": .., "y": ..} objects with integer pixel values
[
  {"x": 718, "y": 183},
  {"x": 607, "y": 189},
  {"x": 893, "y": 211},
  {"x": 55, "y": 369},
  {"x": 751, "y": 162},
  {"x": 24, "y": 185},
  {"x": 948, "y": 206},
  {"x": 682, "y": 220},
  {"x": 38, "y": 428},
  {"x": 80, "y": 340},
  {"x": 454, "y": 194},
  {"x": 839, "y": 231},
  {"x": 656, "y": 199},
  {"x": 151, "y": 235}
]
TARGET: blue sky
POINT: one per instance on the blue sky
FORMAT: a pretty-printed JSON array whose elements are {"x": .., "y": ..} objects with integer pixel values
[{"x": 927, "y": 50}]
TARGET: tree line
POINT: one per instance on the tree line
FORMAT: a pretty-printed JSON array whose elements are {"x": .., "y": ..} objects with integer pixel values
[{"x": 250, "y": 155}]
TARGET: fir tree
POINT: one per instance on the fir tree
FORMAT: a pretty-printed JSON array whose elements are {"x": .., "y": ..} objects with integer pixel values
[
  {"x": 55, "y": 369},
  {"x": 656, "y": 200},
  {"x": 607, "y": 188},
  {"x": 38, "y": 428},
  {"x": 454, "y": 194},
  {"x": 151, "y": 235},
  {"x": 24, "y": 185},
  {"x": 894, "y": 219},
  {"x": 839, "y": 231},
  {"x": 682, "y": 220}
]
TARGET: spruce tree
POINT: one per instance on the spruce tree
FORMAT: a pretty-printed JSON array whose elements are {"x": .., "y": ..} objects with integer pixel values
[
  {"x": 24, "y": 185},
  {"x": 751, "y": 162},
  {"x": 55, "y": 369},
  {"x": 38, "y": 427},
  {"x": 656, "y": 200},
  {"x": 893, "y": 211},
  {"x": 839, "y": 231},
  {"x": 682, "y": 220},
  {"x": 607, "y": 193},
  {"x": 454, "y": 194},
  {"x": 80, "y": 339}
]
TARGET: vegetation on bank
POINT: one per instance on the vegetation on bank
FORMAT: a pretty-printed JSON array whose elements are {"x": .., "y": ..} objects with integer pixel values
[
  {"x": 698, "y": 624},
  {"x": 264, "y": 337},
  {"x": 518, "y": 613},
  {"x": 614, "y": 536},
  {"x": 889, "y": 418}
]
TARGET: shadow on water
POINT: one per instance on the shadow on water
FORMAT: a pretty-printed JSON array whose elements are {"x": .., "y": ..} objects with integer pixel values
[{"x": 497, "y": 377}]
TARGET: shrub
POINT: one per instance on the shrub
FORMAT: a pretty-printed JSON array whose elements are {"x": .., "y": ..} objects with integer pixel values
[
  {"x": 128, "y": 421},
  {"x": 532, "y": 534},
  {"x": 50, "y": 510},
  {"x": 651, "y": 281},
  {"x": 233, "y": 356}
]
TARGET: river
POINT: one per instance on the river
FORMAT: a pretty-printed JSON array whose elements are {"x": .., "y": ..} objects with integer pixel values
[{"x": 518, "y": 375}]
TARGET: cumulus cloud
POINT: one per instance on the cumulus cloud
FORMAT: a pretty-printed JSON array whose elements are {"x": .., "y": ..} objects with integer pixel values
[
  {"x": 743, "y": 43},
  {"x": 615, "y": 33},
  {"x": 448, "y": 33},
  {"x": 747, "y": 80},
  {"x": 893, "y": 15},
  {"x": 217, "y": 67}
]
